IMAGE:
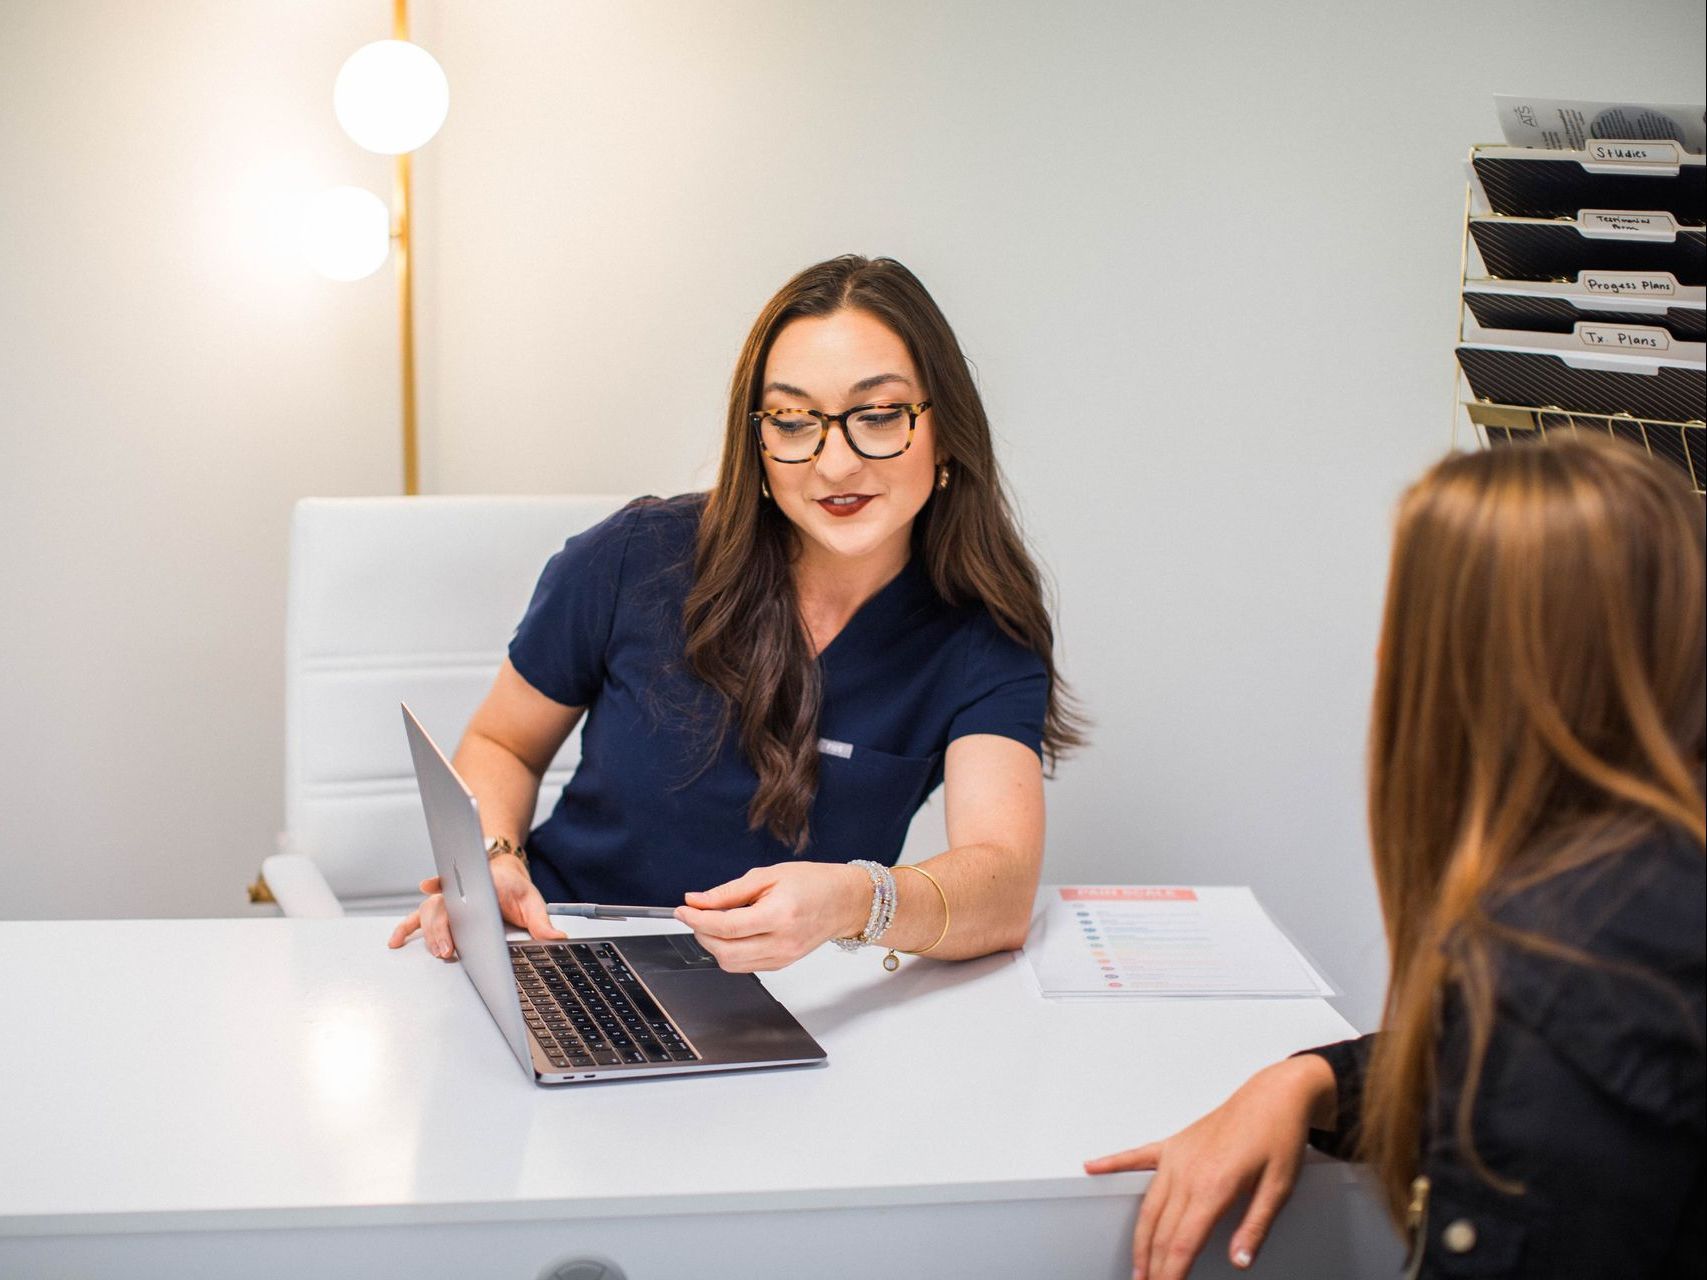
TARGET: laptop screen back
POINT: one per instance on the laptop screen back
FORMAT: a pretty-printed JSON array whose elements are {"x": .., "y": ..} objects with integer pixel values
[{"x": 459, "y": 851}]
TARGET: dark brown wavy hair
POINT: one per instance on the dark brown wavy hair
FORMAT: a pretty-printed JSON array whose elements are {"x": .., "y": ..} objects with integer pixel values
[
  {"x": 1540, "y": 703},
  {"x": 744, "y": 634}
]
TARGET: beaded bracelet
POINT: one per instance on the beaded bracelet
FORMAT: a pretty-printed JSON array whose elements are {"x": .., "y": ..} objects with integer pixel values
[{"x": 882, "y": 905}]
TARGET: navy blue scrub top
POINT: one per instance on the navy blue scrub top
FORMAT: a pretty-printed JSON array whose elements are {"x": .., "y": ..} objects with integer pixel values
[{"x": 658, "y": 805}]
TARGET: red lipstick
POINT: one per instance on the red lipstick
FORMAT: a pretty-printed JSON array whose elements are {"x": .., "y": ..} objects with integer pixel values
[{"x": 845, "y": 504}]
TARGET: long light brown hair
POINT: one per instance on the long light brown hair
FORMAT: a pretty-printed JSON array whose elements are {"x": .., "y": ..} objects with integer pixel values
[
  {"x": 1539, "y": 703},
  {"x": 744, "y": 635}
]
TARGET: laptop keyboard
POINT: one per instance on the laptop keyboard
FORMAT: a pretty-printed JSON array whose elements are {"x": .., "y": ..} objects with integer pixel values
[{"x": 587, "y": 1009}]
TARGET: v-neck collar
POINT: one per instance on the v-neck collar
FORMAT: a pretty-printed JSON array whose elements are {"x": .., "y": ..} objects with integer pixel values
[{"x": 889, "y": 603}]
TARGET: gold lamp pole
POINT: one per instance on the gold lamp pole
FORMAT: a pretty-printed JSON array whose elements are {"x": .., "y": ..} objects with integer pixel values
[
  {"x": 400, "y": 193},
  {"x": 345, "y": 228},
  {"x": 391, "y": 97}
]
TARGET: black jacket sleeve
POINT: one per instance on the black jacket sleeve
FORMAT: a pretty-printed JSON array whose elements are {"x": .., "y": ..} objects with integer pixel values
[
  {"x": 1589, "y": 1119},
  {"x": 1349, "y": 1060}
]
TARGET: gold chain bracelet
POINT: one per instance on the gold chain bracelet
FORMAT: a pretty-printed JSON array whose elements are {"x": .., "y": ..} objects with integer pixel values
[{"x": 892, "y": 962}]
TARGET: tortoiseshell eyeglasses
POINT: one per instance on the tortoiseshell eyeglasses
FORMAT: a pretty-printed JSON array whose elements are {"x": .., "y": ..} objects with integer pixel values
[{"x": 873, "y": 431}]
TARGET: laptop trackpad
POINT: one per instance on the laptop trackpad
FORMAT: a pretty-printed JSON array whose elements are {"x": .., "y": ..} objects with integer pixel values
[
  {"x": 693, "y": 955},
  {"x": 730, "y": 1017}
]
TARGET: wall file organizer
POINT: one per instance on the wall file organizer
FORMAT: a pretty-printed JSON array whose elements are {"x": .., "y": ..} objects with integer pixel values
[{"x": 1583, "y": 283}]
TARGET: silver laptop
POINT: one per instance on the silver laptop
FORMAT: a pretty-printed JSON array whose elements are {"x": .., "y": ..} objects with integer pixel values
[{"x": 593, "y": 1008}]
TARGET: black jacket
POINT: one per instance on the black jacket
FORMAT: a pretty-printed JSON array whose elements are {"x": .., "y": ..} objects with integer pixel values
[{"x": 1592, "y": 1096}]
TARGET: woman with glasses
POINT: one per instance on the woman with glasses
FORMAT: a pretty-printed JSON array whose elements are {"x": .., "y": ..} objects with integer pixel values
[
  {"x": 1533, "y": 1104},
  {"x": 776, "y": 674}
]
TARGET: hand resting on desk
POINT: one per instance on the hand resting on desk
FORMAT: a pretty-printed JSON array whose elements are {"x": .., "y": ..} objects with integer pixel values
[{"x": 1254, "y": 1141}]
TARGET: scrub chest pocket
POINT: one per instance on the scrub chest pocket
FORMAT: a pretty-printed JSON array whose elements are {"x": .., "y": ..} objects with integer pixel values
[{"x": 866, "y": 800}]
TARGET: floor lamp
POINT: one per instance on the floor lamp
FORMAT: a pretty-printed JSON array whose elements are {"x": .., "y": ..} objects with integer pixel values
[{"x": 391, "y": 97}]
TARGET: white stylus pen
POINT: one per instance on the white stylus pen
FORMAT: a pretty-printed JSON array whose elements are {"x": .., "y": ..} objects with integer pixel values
[{"x": 599, "y": 911}]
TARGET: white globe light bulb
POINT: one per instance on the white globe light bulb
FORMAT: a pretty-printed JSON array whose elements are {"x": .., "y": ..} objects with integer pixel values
[
  {"x": 346, "y": 233},
  {"x": 391, "y": 96}
]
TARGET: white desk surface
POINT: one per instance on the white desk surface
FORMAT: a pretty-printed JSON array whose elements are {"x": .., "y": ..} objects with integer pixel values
[{"x": 173, "y": 1075}]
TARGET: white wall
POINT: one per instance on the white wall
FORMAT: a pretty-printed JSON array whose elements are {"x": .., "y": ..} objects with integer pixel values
[
  {"x": 171, "y": 380},
  {"x": 1203, "y": 257}
]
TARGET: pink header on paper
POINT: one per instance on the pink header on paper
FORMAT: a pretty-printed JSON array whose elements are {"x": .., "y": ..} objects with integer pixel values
[{"x": 1128, "y": 893}]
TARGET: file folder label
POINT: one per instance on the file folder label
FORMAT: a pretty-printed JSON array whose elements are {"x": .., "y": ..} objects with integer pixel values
[
  {"x": 1619, "y": 224},
  {"x": 1630, "y": 284},
  {"x": 1624, "y": 337},
  {"x": 1609, "y": 151}
]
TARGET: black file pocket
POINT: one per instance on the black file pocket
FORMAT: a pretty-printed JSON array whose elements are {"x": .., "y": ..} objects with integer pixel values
[
  {"x": 1560, "y": 315},
  {"x": 1517, "y": 249},
  {"x": 1669, "y": 394},
  {"x": 866, "y": 800},
  {"x": 1559, "y": 187}
]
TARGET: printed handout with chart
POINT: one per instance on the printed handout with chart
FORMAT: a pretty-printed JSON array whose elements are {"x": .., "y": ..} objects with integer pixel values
[{"x": 1102, "y": 941}]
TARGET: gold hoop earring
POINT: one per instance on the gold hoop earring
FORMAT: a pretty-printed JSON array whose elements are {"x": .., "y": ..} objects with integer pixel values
[
  {"x": 764, "y": 487},
  {"x": 942, "y": 476}
]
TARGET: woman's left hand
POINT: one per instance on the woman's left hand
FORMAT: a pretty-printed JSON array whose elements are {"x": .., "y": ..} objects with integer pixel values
[
  {"x": 770, "y": 917},
  {"x": 1253, "y": 1143}
]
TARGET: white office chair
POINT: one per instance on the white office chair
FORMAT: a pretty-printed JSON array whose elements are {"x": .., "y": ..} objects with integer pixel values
[{"x": 395, "y": 600}]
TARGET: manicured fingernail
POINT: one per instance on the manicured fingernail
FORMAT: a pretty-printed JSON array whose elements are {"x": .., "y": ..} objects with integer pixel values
[{"x": 1242, "y": 1258}]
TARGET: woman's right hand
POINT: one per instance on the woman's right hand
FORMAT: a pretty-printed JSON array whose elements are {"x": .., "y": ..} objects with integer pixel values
[
  {"x": 522, "y": 905},
  {"x": 1254, "y": 1141}
]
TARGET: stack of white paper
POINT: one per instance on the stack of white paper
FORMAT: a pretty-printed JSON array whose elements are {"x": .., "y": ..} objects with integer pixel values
[{"x": 1146, "y": 940}]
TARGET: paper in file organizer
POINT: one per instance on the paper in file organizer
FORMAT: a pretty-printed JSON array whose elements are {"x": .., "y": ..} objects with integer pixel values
[
  {"x": 1163, "y": 940},
  {"x": 1604, "y": 297},
  {"x": 1574, "y": 122}
]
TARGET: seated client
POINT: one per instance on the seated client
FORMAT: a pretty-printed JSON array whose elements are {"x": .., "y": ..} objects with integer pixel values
[{"x": 1533, "y": 1103}]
